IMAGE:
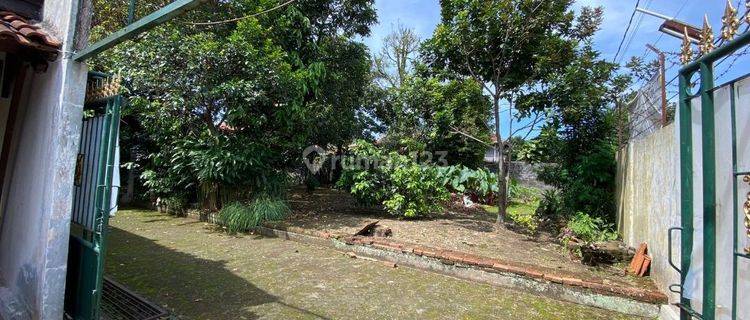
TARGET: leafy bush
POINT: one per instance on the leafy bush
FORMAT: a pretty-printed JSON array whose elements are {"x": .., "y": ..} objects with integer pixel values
[
  {"x": 522, "y": 194},
  {"x": 402, "y": 186},
  {"x": 524, "y": 216},
  {"x": 480, "y": 183},
  {"x": 311, "y": 183},
  {"x": 176, "y": 204},
  {"x": 587, "y": 180},
  {"x": 550, "y": 205},
  {"x": 589, "y": 229},
  {"x": 240, "y": 217}
]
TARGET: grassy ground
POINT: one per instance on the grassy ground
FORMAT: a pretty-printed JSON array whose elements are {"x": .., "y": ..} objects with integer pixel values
[
  {"x": 520, "y": 213},
  {"x": 200, "y": 273}
]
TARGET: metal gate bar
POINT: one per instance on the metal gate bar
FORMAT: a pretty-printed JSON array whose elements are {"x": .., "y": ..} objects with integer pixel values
[
  {"x": 704, "y": 66},
  {"x": 92, "y": 202}
]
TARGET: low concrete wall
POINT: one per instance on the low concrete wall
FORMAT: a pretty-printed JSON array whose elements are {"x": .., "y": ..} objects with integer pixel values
[
  {"x": 648, "y": 200},
  {"x": 527, "y": 174}
]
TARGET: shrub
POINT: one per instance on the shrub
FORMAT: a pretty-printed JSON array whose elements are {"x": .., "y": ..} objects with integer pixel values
[
  {"x": 550, "y": 205},
  {"x": 402, "y": 186},
  {"x": 480, "y": 183},
  {"x": 311, "y": 183},
  {"x": 523, "y": 215},
  {"x": 590, "y": 229},
  {"x": 587, "y": 183},
  {"x": 240, "y": 217},
  {"x": 522, "y": 194}
]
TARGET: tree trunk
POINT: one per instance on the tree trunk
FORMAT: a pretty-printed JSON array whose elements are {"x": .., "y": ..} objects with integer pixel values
[
  {"x": 501, "y": 185},
  {"x": 130, "y": 191}
]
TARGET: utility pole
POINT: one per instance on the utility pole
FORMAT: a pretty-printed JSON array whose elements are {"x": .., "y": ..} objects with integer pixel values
[{"x": 662, "y": 83}]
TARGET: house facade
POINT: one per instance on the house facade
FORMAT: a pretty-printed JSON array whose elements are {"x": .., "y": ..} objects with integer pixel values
[{"x": 43, "y": 92}]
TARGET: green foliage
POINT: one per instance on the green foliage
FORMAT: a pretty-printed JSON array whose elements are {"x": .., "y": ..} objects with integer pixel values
[
  {"x": 240, "y": 217},
  {"x": 522, "y": 194},
  {"x": 311, "y": 183},
  {"x": 430, "y": 114},
  {"x": 404, "y": 187},
  {"x": 590, "y": 229},
  {"x": 231, "y": 104},
  {"x": 524, "y": 216},
  {"x": 460, "y": 179},
  {"x": 550, "y": 205},
  {"x": 580, "y": 136},
  {"x": 474, "y": 36},
  {"x": 176, "y": 204}
]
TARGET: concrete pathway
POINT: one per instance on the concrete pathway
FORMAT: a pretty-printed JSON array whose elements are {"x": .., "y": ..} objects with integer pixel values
[{"x": 198, "y": 272}]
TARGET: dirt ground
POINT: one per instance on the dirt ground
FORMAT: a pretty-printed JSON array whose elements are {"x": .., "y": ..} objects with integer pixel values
[
  {"x": 198, "y": 272},
  {"x": 473, "y": 232}
]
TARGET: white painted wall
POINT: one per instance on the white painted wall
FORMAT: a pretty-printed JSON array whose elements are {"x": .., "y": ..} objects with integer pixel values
[
  {"x": 648, "y": 200},
  {"x": 724, "y": 202},
  {"x": 649, "y": 195}
]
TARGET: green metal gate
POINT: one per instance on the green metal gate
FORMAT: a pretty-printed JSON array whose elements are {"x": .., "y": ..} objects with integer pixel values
[
  {"x": 92, "y": 198},
  {"x": 703, "y": 68}
]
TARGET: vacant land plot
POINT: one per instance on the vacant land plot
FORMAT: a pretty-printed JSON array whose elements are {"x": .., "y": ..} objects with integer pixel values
[
  {"x": 199, "y": 273},
  {"x": 471, "y": 231}
]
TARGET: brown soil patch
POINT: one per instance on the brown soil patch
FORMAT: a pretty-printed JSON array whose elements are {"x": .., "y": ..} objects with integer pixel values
[{"x": 471, "y": 231}]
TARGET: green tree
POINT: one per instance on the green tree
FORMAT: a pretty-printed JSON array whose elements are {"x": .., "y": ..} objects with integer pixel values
[
  {"x": 420, "y": 111},
  {"x": 440, "y": 116},
  {"x": 504, "y": 45},
  {"x": 232, "y": 104},
  {"x": 580, "y": 135}
]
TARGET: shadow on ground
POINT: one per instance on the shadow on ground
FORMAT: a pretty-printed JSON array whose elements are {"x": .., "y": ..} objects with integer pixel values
[{"x": 208, "y": 289}]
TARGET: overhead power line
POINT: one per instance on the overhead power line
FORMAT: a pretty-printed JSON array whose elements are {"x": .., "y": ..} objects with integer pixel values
[{"x": 632, "y": 16}]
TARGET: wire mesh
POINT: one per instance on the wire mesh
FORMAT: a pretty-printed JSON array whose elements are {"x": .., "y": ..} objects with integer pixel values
[
  {"x": 119, "y": 303},
  {"x": 643, "y": 114}
]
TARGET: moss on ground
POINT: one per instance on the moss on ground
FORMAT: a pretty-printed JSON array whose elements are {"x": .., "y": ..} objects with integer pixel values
[{"x": 198, "y": 272}]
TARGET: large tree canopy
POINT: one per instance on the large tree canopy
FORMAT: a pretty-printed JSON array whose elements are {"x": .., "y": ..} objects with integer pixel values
[
  {"x": 505, "y": 45},
  {"x": 232, "y": 103}
]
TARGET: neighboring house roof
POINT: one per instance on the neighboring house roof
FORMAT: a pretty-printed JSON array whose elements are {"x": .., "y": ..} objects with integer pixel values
[{"x": 18, "y": 32}]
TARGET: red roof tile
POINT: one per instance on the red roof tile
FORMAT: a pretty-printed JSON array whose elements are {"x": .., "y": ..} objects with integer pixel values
[{"x": 23, "y": 33}]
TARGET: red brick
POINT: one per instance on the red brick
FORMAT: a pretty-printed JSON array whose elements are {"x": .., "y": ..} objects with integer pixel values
[
  {"x": 407, "y": 248},
  {"x": 451, "y": 255},
  {"x": 381, "y": 247},
  {"x": 553, "y": 278},
  {"x": 534, "y": 273},
  {"x": 573, "y": 282},
  {"x": 427, "y": 251},
  {"x": 395, "y": 245},
  {"x": 500, "y": 266},
  {"x": 485, "y": 262}
]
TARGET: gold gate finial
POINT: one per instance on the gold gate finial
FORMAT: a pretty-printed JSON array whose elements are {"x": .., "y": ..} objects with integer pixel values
[
  {"x": 687, "y": 51},
  {"x": 101, "y": 89},
  {"x": 707, "y": 37},
  {"x": 730, "y": 22}
]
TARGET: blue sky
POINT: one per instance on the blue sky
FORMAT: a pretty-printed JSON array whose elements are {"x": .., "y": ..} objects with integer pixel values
[{"x": 424, "y": 15}]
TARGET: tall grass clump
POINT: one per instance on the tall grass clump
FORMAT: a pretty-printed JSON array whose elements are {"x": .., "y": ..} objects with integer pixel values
[{"x": 242, "y": 217}]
